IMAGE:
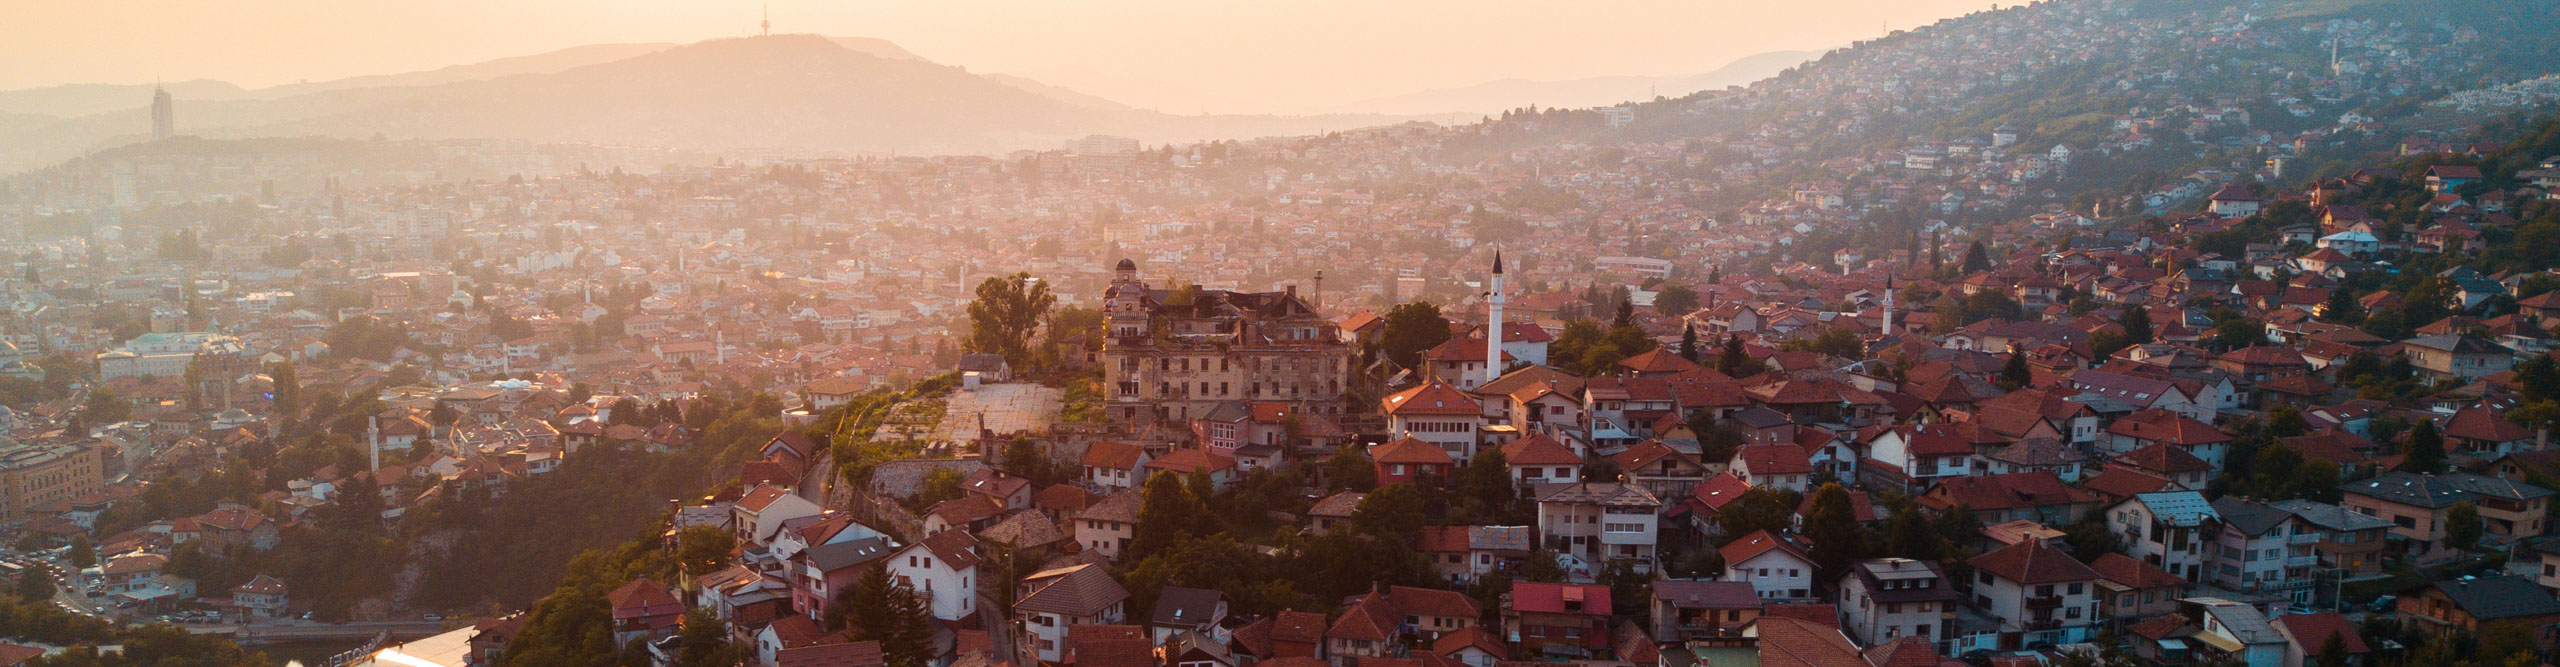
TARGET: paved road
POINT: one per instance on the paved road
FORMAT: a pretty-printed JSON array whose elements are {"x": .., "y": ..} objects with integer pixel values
[{"x": 298, "y": 631}]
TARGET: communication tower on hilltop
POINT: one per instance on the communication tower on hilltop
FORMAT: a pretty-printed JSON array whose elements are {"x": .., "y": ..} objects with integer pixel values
[{"x": 767, "y": 24}]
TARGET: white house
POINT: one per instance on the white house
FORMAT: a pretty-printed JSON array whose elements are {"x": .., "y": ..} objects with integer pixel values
[
  {"x": 944, "y": 569},
  {"x": 1776, "y": 568},
  {"x": 2031, "y": 586},
  {"x": 2165, "y": 529}
]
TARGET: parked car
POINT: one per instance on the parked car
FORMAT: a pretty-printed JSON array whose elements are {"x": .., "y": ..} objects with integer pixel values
[{"x": 2382, "y": 604}]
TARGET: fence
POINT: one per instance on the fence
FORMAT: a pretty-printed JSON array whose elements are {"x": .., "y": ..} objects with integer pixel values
[{"x": 2010, "y": 641}]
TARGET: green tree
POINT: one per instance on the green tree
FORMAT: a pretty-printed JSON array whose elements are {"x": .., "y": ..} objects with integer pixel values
[
  {"x": 1976, "y": 258},
  {"x": 105, "y": 407},
  {"x": 1350, "y": 470},
  {"x": 1675, "y": 300},
  {"x": 2333, "y": 651},
  {"x": 1541, "y": 566},
  {"x": 1484, "y": 486},
  {"x": 1008, "y": 310},
  {"x": 702, "y": 550},
  {"x": 1689, "y": 342},
  {"x": 36, "y": 584},
  {"x": 1909, "y": 534},
  {"x": 2015, "y": 375},
  {"x": 1831, "y": 524},
  {"x": 84, "y": 555},
  {"x": 2462, "y": 526},
  {"x": 1393, "y": 512},
  {"x": 2136, "y": 321},
  {"x": 1734, "y": 361},
  {"x": 2089, "y": 537},
  {"x": 2424, "y": 452},
  {"x": 1167, "y": 514},
  {"x": 288, "y": 390},
  {"x": 1756, "y": 510},
  {"x": 1411, "y": 329},
  {"x": 2342, "y": 308}
]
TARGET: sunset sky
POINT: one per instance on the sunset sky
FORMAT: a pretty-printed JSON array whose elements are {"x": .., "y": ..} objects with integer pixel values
[{"x": 1238, "y": 54}]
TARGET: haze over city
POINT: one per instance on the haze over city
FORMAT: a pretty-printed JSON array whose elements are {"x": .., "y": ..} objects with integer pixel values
[
  {"x": 1223, "y": 56},
  {"x": 1122, "y": 333}
]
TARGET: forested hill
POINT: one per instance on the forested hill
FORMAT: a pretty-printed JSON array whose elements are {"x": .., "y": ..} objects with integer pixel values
[{"x": 2066, "y": 71}]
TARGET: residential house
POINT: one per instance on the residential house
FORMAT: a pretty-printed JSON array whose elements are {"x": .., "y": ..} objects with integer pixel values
[
  {"x": 943, "y": 568},
  {"x": 2166, "y": 529},
  {"x": 1883, "y": 599},
  {"x": 2149, "y": 427},
  {"x": 2134, "y": 589},
  {"x": 1051, "y": 601},
  {"x": 2261, "y": 549},
  {"x": 1774, "y": 467},
  {"x": 1685, "y": 610},
  {"x": 2029, "y": 586},
  {"x": 2306, "y": 635},
  {"x": 2457, "y": 358},
  {"x": 2350, "y": 542},
  {"x": 1776, "y": 568},
  {"x": 1601, "y": 523},
  {"x": 1557, "y": 620},
  {"x": 2415, "y": 504},
  {"x": 2472, "y": 603},
  {"x": 1106, "y": 526},
  {"x": 643, "y": 611},
  {"x": 1411, "y": 460},
  {"x": 2034, "y": 496},
  {"x": 1437, "y": 413},
  {"x": 1114, "y": 465},
  {"x": 1538, "y": 459}
]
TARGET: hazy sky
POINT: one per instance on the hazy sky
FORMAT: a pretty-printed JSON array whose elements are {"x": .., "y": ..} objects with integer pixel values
[{"x": 1250, "y": 52}]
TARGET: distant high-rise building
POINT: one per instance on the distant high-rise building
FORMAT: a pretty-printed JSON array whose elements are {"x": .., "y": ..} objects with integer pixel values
[{"x": 164, "y": 115}]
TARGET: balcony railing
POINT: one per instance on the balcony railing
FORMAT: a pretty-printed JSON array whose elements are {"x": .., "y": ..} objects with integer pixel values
[
  {"x": 2046, "y": 602},
  {"x": 2304, "y": 538}
]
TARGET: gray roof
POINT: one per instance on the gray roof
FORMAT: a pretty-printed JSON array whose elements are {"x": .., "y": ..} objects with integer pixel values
[
  {"x": 1183, "y": 607},
  {"x": 1498, "y": 538},
  {"x": 2329, "y": 517},
  {"x": 2441, "y": 491},
  {"x": 1081, "y": 590},
  {"x": 1601, "y": 493},
  {"x": 841, "y": 555},
  {"x": 2244, "y": 622},
  {"x": 2499, "y": 597},
  {"x": 2177, "y": 508},
  {"x": 2251, "y": 517}
]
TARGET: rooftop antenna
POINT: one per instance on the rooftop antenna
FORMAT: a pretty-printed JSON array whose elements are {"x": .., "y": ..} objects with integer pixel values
[{"x": 768, "y": 21}]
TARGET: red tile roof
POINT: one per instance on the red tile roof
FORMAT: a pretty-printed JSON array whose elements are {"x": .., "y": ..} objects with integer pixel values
[
  {"x": 2031, "y": 562},
  {"x": 1410, "y": 451},
  {"x": 1547, "y": 598},
  {"x": 1432, "y": 398}
]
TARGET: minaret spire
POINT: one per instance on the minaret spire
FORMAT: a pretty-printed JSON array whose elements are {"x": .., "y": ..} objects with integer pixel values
[
  {"x": 1888, "y": 304},
  {"x": 1493, "y": 323}
]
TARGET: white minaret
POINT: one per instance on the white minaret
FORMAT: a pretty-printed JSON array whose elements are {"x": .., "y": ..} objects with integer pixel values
[
  {"x": 1888, "y": 304},
  {"x": 1493, "y": 324},
  {"x": 373, "y": 438}
]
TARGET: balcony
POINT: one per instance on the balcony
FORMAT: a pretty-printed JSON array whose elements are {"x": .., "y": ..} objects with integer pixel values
[
  {"x": 2304, "y": 538},
  {"x": 2046, "y": 602},
  {"x": 2302, "y": 561}
]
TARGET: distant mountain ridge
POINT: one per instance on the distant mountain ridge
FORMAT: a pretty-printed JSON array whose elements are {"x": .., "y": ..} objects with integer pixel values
[
  {"x": 1497, "y": 96},
  {"x": 792, "y": 94}
]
